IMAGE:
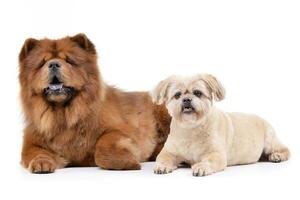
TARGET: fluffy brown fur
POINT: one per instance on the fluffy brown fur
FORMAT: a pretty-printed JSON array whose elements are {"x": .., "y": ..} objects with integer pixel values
[{"x": 85, "y": 122}]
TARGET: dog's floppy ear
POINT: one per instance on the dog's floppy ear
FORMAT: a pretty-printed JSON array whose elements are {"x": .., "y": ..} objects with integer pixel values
[
  {"x": 159, "y": 94},
  {"x": 83, "y": 42},
  {"x": 214, "y": 85},
  {"x": 28, "y": 45}
]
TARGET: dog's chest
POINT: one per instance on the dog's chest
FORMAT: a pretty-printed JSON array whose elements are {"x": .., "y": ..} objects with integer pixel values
[
  {"x": 72, "y": 145},
  {"x": 188, "y": 146}
]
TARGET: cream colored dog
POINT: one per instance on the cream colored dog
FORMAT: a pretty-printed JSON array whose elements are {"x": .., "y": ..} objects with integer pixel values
[{"x": 205, "y": 137}]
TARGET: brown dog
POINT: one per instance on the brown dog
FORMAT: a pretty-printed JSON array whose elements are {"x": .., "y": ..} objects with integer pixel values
[{"x": 74, "y": 119}]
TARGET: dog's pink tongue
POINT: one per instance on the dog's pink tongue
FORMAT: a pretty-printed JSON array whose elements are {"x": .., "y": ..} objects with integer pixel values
[{"x": 55, "y": 86}]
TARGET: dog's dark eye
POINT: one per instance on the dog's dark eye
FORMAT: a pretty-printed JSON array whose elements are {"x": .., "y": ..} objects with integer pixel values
[
  {"x": 41, "y": 63},
  {"x": 177, "y": 95},
  {"x": 197, "y": 93},
  {"x": 70, "y": 61}
]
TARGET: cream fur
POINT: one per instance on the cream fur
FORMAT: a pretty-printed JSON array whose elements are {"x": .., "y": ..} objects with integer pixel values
[{"x": 210, "y": 139}]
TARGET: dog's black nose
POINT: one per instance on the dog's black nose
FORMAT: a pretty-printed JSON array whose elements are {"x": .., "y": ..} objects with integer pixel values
[
  {"x": 187, "y": 100},
  {"x": 54, "y": 65}
]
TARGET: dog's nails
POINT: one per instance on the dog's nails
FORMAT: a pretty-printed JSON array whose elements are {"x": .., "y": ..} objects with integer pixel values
[{"x": 195, "y": 173}]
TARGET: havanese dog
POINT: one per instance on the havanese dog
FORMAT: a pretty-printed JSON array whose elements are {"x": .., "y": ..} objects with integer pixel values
[{"x": 207, "y": 138}]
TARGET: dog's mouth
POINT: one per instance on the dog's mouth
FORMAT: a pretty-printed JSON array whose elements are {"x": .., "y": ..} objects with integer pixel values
[
  {"x": 56, "y": 88},
  {"x": 187, "y": 109}
]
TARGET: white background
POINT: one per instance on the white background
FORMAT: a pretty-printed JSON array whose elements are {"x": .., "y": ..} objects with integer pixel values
[{"x": 252, "y": 46}]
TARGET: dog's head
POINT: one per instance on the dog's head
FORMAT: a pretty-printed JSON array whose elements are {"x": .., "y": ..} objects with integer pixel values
[
  {"x": 58, "y": 69},
  {"x": 188, "y": 99}
]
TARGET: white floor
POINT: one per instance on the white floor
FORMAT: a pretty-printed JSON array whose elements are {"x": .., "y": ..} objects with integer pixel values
[
  {"x": 261, "y": 180},
  {"x": 265, "y": 169}
]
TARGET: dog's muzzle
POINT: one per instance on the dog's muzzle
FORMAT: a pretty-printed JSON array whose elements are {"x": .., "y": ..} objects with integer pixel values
[
  {"x": 187, "y": 106},
  {"x": 56, "y": 85}
]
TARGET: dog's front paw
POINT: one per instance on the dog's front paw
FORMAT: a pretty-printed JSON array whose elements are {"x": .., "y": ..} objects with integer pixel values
[
  {"x": 278, "y": 157},
  {"x": 42, "y": 165},
  {"x": 202, "y": 169},
  {"x": 163, "y": 169}
]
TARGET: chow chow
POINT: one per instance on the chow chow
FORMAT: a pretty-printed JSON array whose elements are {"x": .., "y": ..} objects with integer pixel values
[
  {"x": 207, "y": 138},
  {"x": 74, "y": 119}
]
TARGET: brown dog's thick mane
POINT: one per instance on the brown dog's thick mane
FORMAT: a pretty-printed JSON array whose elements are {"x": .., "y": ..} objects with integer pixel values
[{"x": 49, "y": 118}]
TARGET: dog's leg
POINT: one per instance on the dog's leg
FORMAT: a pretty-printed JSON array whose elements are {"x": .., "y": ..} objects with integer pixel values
[
  {"x": 273, "y": 149},
  {"x": 165, "y": 162},
  {"x": 39, "y": 160},
  {"x": 210, "y": 163},
  {"x": 117, "y": 151}
]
